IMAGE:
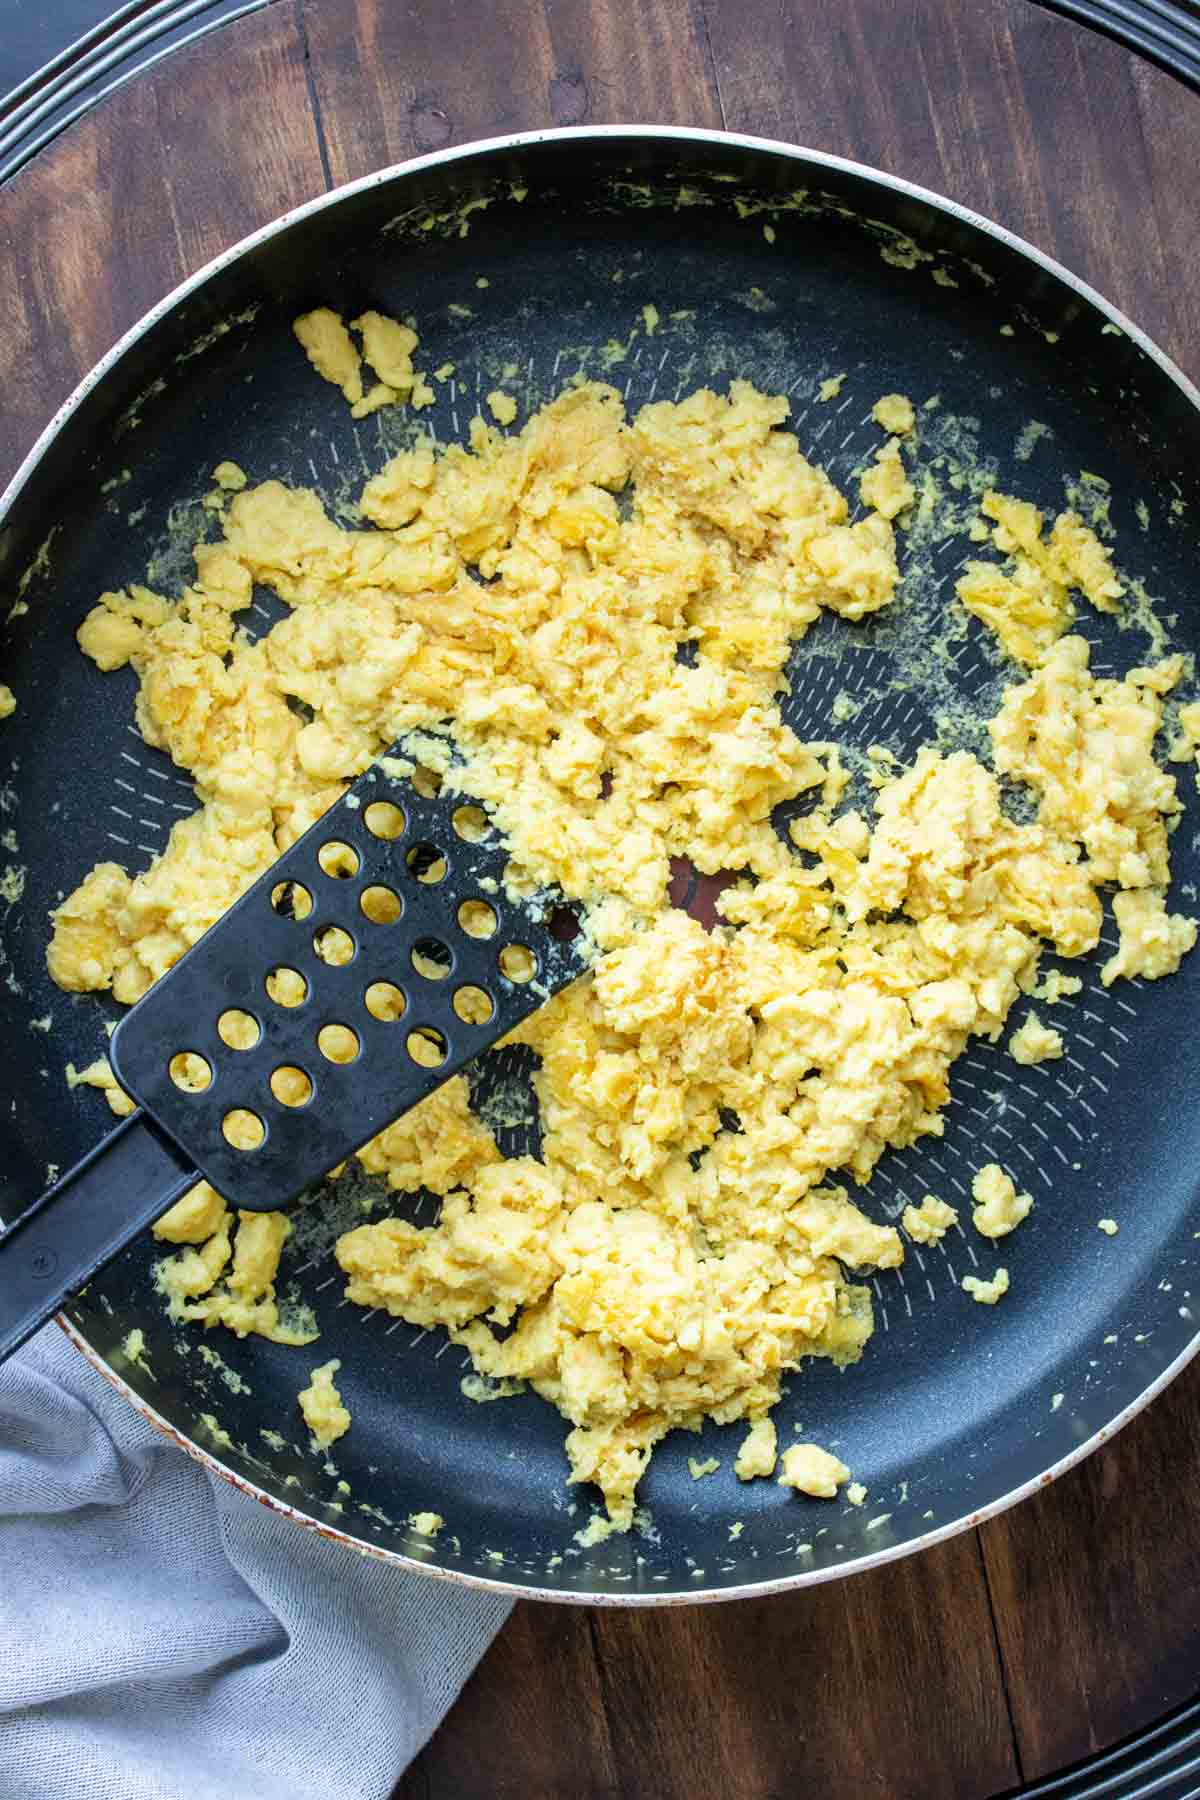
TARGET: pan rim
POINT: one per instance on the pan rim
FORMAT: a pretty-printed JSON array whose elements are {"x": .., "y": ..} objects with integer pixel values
[
  {"x": 513, "y": 1590},
  {"x": 488, "y": 146},
  {"x": 586, "y": 133}
]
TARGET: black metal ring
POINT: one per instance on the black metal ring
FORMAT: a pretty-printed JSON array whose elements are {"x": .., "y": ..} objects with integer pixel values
[
  {"x": 1165, "y": 32},
  {"x": 1162, "y": 1760},
  {"x": 130, "y": 40}
]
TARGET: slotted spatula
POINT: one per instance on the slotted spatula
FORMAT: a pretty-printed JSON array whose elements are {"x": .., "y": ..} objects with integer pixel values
[{"x": 367, "y": 966}]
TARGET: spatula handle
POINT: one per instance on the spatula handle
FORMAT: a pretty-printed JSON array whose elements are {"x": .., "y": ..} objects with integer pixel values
[{"x": 55, "y": 1248}]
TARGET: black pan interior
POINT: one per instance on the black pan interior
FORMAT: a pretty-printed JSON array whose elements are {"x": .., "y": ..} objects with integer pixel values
[{"x": 953, "y": 1406}]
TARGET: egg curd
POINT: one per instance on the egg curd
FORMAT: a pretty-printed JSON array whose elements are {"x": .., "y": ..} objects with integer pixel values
[{"x": 595, "y": 614}]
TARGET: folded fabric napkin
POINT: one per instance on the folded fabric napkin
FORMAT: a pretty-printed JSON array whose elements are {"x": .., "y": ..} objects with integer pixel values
[{"x": 162, "y": 1637}]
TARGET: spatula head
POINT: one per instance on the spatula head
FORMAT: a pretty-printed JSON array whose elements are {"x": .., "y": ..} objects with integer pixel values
[{"x": 376, "y": 958}]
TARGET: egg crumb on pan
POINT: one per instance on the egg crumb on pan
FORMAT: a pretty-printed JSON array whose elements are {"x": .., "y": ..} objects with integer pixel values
[
  {"x": 929, "y": 1222},
  {"x": 321, "y": 1404},
  {"x": 813, "y": 1471},
  {"x": 987, "y": 1293},
  {"x": 999, "y": 1208},
  {"x": 522, "y": 603},
  {"x": 1034, "y": 1042}
]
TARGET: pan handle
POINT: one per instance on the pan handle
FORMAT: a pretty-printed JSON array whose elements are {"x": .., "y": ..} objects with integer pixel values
[
  {"x": 1165, "y": 32},
  {"x": 55, "y": 1248}
]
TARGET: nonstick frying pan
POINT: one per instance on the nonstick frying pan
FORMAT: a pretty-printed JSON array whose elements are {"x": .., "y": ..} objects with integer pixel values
[{"x": 955, "y": 1410}]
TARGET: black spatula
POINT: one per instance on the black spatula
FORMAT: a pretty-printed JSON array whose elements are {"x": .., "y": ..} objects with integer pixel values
[{"x": 373, "y": 960}]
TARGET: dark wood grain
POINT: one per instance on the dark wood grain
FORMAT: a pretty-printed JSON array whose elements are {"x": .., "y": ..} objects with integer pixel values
[
  {"x": 1016, "y": 112},
  {"x": 393, "y": 81},
  {"x": 173, "y": 168},
  {"x": 884, "y": 1684},
  {"x": 1170, "y": 125},
  {"x": 1094, "y": 1586},
  {"x": 530, "y": 1723},
  {"x": 1071, "y": 1621}
]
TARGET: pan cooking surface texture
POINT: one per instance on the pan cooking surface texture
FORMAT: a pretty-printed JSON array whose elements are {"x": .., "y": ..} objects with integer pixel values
[{"x": 953, "y": 1405}]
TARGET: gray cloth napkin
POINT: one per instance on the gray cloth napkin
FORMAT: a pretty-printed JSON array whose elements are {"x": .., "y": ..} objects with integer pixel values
[{"x": 162, "y": 1637}]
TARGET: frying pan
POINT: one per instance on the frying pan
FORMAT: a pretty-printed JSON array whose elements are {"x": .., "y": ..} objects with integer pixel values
[{"x": 955, "y": 1410}]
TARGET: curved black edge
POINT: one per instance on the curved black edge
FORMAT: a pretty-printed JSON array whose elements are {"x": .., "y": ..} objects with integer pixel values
[
  {"x": 134, "y": 38},
  {"x": 1162, "y": 1760},
  {"x": 1165, "y": 32},
  {"x": 41, "y": 80}
]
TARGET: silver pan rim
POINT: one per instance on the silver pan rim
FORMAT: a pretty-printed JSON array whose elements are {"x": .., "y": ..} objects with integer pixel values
[{"x": 483, "y": 147}]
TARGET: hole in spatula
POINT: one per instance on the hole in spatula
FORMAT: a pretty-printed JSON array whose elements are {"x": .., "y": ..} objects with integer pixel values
[
  {"x": 473, "y": 1005},
  {"x": 189, "y": 1071},
  {"x": 238, "y": 1030},
  {"x": 380, "y": 905},
  {"x": 697, "y": 894},
  {"x": 562, "y": 924},
  {"x": 427, "y": 1047},
  {"x": 385, "y": 1002},
  {"x": 243, "y": 1129},
  {"x": 337, "y": 1043},
  {"x": 426, "y": 863},
  {"x": 471, "y": 824},
  {"x": 427, "y": 782},
  {"x": 334, "y": 946},
  {"x": 287, "y": 987},
  {"x": 478, "y": 919},
  {"x": 338, "y": 860},
  {"x": 383, "y": 820},
  {"x": 291, "y": 1086},
  {"x": 432, "y": 959},
  {"x": 291, "y": 900},
  {"x": 518, "y": 963}
]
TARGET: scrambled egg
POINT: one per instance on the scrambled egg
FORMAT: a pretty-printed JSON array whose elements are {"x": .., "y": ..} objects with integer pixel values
[
  {"x": 1153, "y": 942},
  {"x": 1187, "y": 742},
  {"x": 200, "y": 1215},
  {"x": 528, "y": 599},
  {"x": 503, "y": 407},
  {"x": 1055, "y": 986},
  {"x": 813, "y": 1471},
  {"x": 987, "y": 1293},
  {"x": 999, "y": 1208},
  {"x": 758, "y": 1451},
  {"x": 321, "y": 1403},
  {"x": 895, "y": 413},
  {"x": 1034, "y": 1042},
  {"x": 228, "y": 1280},
  {"x": 99, "y": 1075},
  {"x": 885, "y": 485},
  {"x": 929, "y": 1222},
  {"x": 386, "y": 345},
  {"x": 1029, "y": 606}
]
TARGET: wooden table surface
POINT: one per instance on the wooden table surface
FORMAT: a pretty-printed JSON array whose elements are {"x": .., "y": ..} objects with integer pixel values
[{"x": 1073, "y": 1620}]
